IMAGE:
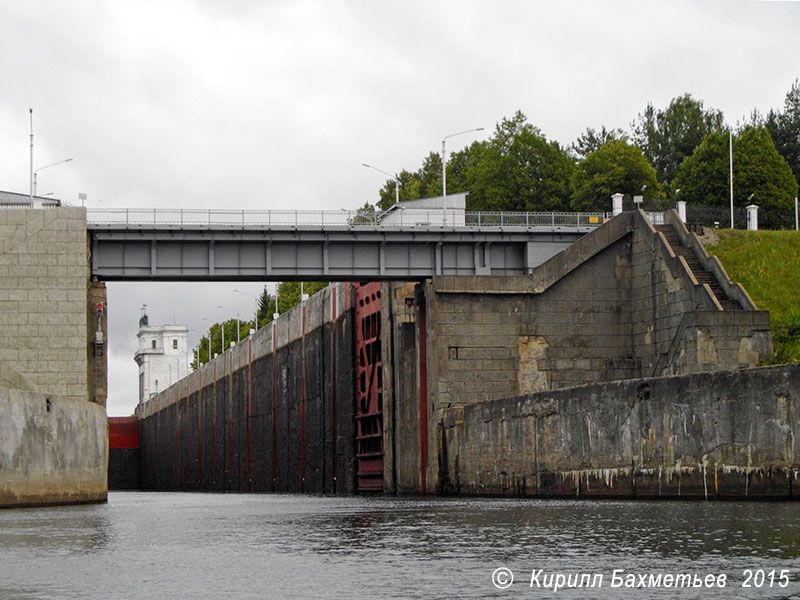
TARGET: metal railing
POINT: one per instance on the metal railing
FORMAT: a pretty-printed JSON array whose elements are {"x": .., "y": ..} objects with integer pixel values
[{"x": 341, "y": 218}]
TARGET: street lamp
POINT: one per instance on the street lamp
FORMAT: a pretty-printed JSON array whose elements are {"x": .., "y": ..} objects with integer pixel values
[
  {"x": 223, "y": 325},
  {"x": 256, "y": 301},
  {"x": 444, "y": 169},
  {"x": 66, "y": 160},
  {"x": 394, "y": 178}
]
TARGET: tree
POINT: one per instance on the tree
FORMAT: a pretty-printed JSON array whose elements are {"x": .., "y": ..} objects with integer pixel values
[
  {"x": 364, "y": 215},
  {"x": 203, "y": 354},
  {"x": 426, "y": 182},
  {"x": 520, "y": 169},
  {"x": 266, "y": 308},
  {"x": 613, "y": 167},
  {"x": 758, "y": 170},
  {"x": 784, "y": 128},
  {"x": 668, "y": 136},
  {"x": 289, "y": 293},
  {"x": 590, "y": 140}
]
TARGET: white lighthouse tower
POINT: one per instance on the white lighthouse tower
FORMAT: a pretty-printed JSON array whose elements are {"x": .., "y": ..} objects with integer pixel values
[{"x": 163, "y": 356}]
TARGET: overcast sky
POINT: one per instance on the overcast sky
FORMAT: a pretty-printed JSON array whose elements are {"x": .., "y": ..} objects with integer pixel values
[{"x": 273, "y": 104}]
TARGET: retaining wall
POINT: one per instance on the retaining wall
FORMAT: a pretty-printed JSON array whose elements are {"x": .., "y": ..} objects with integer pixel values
[
  {"x": 706, "y": 435},
  {"x": 53, "y": 450},
  {"x": 275, "y": 413}
]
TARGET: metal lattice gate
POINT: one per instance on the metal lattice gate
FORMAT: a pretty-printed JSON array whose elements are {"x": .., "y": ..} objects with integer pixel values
[{"x": 369, "y": 388}]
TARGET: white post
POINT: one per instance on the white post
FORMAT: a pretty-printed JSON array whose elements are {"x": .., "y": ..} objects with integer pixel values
[
  {"x": 616, "y": 204},
  {"x": 796, "y": 219},
  {"x": 31, "y": 171},
  {"x": 682, "y": 210},
  {"x": 752, "y": 217},
  {"x": 730, "y": 146}
]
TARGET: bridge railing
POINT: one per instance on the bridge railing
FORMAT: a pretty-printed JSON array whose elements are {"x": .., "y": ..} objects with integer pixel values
[{"x": 345, "y": 218}]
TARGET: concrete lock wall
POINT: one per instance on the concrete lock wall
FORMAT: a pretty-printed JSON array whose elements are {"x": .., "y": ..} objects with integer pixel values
[
  {"x": 53, "y": 443},
  {"x": 53, "y": 450},
  {"x": 47, "y": 323},
  {"x": 618, "y": 304},
  {"x": 275, "y": 413},
  {"x": 706, "y": 435}
]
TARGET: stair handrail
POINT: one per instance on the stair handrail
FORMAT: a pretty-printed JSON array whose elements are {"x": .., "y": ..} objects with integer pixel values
[{"x": 734, "y": 291}]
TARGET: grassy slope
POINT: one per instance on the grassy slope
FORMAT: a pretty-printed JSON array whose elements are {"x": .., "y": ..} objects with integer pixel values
[{"x": 767, "y": 264}]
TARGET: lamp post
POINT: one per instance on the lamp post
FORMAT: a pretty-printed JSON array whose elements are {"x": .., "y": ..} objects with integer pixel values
[
  {"x": 237, "y": 323},
  {"x": 444, "y": 169},
  {"x": 394, "y": 178},
  {"x": 208, "y": 350},
  {"x": 256, "y": 302},
  {"x": 730, "y": 162},
  {"x": 66, "y": 160}
]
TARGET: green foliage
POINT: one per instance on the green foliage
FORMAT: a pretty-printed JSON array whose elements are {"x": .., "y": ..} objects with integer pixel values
[
  {"x": 216, "y": 330},
  {"x": 364, "y": 216},
  {"x": 520, "y": 170},
  {"x": 288, "y": 297},
  {"x": 670, "y": 135},
  {"x": 784, "y": 128},
  {"x": 758, "y": 170},
  {"x": 289, "y": 293},
  {"x": 590, "y": 140},
  {"x": 766, "y": 263},
  {"x": 426, "y": 182},
  {"x": 613, "y": 167}
]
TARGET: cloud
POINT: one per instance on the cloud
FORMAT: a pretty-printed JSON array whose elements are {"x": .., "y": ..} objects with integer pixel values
[{"x": 259, "y": 105}]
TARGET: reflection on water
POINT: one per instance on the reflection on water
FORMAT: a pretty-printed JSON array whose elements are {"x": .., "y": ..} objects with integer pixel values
[{"x": 237, "y": 546}]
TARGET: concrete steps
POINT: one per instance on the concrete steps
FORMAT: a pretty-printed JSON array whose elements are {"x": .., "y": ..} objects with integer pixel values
[{"x": 700, "y": 273}]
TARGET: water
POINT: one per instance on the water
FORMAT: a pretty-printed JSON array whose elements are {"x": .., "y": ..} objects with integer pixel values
[{"x": 154, "y": 545}]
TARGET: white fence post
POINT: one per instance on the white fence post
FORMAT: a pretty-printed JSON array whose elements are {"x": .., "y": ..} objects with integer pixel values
[
  {"x": 616, "y": 204},
  {"x": 682, "y": 210},
  {"x": 752, "y": 217}
]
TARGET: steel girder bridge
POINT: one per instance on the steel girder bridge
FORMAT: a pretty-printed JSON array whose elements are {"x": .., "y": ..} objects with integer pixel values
[{"x": 220, "y": 245}]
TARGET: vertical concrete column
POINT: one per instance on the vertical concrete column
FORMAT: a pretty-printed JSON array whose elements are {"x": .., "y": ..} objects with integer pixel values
[
  {"x": 682, "y": 210},
  {"x": 752, "y": 217},
  {"x": 616, "y": 204},
  {"x": 97, "y": 338}
]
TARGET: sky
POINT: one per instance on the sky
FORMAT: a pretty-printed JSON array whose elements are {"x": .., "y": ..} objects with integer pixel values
[{"x": 259, "y": 104}]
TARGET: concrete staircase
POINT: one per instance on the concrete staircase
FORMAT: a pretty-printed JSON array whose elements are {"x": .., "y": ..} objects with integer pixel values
[{"x": 700, "y": 273}]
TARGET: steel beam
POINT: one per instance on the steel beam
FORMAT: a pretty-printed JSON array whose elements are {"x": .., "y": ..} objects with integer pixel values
[{"x": 260, "y": 253}]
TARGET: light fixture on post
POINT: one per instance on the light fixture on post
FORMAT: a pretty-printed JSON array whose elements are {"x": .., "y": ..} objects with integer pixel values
[
  {"x": 395, "y": 178},
  {"x": 444, "y": 170},
  {"x": 66, "y": 160},
  {"x": 223, "y": 324},
  {"x": 256, "y": 302}
]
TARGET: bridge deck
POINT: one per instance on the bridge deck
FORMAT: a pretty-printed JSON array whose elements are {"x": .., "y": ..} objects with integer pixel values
[{"x": 180, "y": 245}]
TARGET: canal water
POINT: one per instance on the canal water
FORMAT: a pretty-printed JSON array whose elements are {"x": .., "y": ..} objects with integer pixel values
[{"x": 167, "y": 545}]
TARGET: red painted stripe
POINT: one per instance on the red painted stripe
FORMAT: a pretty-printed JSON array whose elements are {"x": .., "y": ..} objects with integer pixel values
[
  {"x": 303, "y": 400},
  {"x": 274, "y": 408},
  {"x": 214, "y": 428},
  {"x": 333, "y": 380},
  {"x": 423, "y": 397},
  {"x": 199, "y": 425},
  {"x": 249, "y": 414},
  {"x": 230, "y": 422}
]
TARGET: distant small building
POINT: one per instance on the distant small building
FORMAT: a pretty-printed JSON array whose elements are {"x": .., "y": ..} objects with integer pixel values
[
  {"x": 427, "y": 211},
  {"x": 163, "y": 356},
  {"x": 17, "y": 200}
]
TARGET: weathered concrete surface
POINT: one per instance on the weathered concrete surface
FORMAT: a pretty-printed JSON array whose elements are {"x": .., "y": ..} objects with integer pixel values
[
  {"x": 704, "y": 436},
  {"x": 275, "y": 413},
  {"x": 53, "y": 450},
  {"x": 616, "y": 305},
  {"x": 44, "y": 304}
]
